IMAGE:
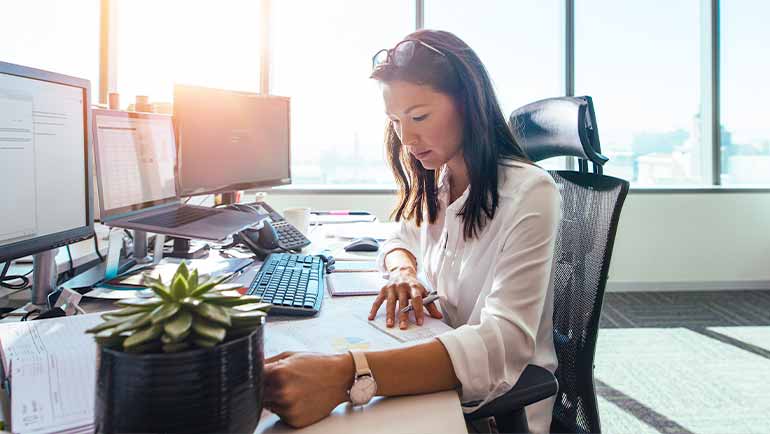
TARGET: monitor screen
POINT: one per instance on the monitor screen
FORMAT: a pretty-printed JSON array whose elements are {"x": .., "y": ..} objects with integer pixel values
[
  {"x": 45, "y": 177},
  {"x": 228, "y": 140},
  {"x": 135, "y": 158}
]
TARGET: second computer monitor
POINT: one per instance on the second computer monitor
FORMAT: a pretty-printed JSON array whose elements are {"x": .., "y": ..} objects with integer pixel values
[{"x": 229, "y": 141}]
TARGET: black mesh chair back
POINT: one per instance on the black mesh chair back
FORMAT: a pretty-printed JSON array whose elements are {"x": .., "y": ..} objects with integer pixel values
[{"x": 591, "y": 205}]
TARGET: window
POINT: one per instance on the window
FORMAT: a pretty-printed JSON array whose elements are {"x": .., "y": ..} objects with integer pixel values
[
  {"x": 642, "y": 67},
  {"x": 197, "y": 42},
  {"x": 322, "y": 59},
  {"x": 520, "y": 43},
  {"x": 744, "y": 91},
  {"x": 57, "y": 36}
]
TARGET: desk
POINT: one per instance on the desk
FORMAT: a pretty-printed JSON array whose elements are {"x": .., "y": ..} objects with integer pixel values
[{"x": 437, "y": 412}]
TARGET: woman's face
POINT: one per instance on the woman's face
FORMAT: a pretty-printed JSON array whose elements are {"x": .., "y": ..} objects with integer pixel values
[{"x": 427, "y": 122}]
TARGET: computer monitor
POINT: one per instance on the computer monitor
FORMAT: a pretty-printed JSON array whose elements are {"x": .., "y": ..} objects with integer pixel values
[
  {"x": 46, "y": 198},
  {"x": 135, "y": 159},
  {"x": 229, "y": 141}
]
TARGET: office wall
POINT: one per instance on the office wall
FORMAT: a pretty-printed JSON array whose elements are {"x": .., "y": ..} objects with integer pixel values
[{"x": 676, "y": 241}]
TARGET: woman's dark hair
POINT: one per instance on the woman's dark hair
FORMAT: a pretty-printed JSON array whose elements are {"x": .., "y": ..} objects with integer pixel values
[{"x": 487, "y": 141}]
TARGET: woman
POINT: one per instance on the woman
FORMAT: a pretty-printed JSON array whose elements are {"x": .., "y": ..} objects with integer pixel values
[{"x": 477, "y": 218}]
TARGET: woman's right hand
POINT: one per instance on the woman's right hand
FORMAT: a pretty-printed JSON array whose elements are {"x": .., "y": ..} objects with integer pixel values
[{"x": 403, "y": 288}]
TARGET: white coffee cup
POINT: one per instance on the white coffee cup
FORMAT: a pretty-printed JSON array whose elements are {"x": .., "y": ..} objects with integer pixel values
[{"x": 299, "y": 218}]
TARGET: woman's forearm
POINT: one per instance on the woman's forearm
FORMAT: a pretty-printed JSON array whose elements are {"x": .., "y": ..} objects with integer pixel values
[{"x": 422, "y": 368}]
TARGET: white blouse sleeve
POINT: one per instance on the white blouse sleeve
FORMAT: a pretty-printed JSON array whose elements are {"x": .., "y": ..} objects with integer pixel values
[
  {"x": 489, "y": 357},
  {"x": 406, "y": 237}
]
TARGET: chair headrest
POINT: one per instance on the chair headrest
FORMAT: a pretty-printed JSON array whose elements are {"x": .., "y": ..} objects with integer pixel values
[{"x": 562, "y": 126}]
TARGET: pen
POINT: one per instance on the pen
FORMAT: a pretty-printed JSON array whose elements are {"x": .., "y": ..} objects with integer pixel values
[
  {"x": 425, "y": 301},
  {"x": 340, "y": 212}
]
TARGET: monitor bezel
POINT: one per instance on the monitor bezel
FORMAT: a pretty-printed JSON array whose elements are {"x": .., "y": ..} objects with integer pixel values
[
  {"x": 47, "y": 242},
  {"x": 249, "y": 185},
  {"x": 111, "y": 214}
]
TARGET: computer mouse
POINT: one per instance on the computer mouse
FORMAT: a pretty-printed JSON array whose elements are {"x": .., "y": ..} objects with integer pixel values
[{"x": 364, "y": 244}]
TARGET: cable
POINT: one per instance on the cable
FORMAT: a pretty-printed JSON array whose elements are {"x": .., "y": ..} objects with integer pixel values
[
  {"x": 72, "y": 265},
  {"x": 96, "y": 247},
  {"x": 5, "y": 278}
]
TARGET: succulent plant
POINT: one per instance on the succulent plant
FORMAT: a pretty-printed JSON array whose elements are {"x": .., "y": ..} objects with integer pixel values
[{"x": 190, "y": 312}]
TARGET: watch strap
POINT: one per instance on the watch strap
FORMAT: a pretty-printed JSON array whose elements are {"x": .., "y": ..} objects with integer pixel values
[{"x": 360, "y": 363}]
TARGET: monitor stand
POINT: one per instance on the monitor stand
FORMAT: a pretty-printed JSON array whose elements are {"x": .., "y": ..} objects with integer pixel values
[
  {"x": 140, "y": 247},
  {"x": 228, "y": 198},
  {"x": 185, "y": 249},
  {"x": 44, "y": 276}
]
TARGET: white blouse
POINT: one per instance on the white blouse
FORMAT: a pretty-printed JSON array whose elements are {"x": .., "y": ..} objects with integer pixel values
[{"x": 495, "y": 289}]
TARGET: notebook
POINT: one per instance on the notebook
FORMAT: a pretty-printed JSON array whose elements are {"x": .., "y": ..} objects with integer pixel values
[{"x": 352, "y": 283}]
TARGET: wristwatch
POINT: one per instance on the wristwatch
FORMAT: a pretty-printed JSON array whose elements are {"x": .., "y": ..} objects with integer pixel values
[{"x": 364, "y": 387}]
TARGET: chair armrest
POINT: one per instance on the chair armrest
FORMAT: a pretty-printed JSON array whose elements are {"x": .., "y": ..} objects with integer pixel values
[{"x": 535, "y": 384}]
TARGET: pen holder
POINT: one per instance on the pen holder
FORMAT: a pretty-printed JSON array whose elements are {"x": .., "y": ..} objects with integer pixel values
[{"x": 217, "y": 389}]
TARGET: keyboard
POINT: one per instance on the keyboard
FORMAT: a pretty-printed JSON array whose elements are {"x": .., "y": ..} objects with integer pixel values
[
  {"x": 289, "y": 237},
  {"x": 293, "y": 283},
  {"x": 177, "y": 217}
]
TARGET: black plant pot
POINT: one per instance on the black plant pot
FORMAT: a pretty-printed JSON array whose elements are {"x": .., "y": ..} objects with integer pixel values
[{"x": 199, "y": 391}]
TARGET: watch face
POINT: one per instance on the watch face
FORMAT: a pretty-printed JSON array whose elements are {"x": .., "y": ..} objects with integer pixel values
[{"x": 363, "y": 390}]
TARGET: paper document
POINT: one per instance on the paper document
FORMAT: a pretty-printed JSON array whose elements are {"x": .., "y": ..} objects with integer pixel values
[
  {"x": 354, "y": 266},
  {"x": 51, "y": 365},
  {"x": 317, "y": 219},
  {"x": 431, "y": 327},
  {"x": 336, "y": 330},
  {"x": 166, "y": 269},
  {"x": 361, "y": 283},
  {"x": 377, "y": 230}
]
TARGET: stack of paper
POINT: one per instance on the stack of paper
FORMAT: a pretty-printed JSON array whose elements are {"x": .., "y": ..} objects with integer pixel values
[{"x": 50, "y": 366}]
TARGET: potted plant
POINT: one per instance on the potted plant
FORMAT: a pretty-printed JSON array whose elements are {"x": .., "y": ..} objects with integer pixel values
[{"x": 189, "y": 359}]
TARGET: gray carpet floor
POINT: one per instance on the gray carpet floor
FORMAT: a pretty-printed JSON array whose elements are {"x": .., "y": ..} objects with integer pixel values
[{"x": 684, "y": 362}]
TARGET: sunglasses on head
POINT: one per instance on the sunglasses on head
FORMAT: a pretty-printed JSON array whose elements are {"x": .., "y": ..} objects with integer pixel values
[{"x": 401, "y": 54}]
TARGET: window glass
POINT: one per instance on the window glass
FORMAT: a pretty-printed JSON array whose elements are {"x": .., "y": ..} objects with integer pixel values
[
  {"x": 641, "y": 63},
  {"x": 322, "y": 59},
  {"x": 57, "y": 36},
  {"x": 520, "y": 43},
  {"x": 744, "y": 92},
  {"x": 197, "y": 42}
]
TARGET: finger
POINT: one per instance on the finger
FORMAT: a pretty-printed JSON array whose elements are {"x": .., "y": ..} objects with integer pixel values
[
  {"x": 269, "y": 389},
  {"x": 274, "y": 407},
  {"x": 278, "y": 357},
  {"x": 390, "y": 309},
  {"x": 433, "y": 310},
  {"x": 416, "y": 302},
  {"x": 377, "y": 303},
  {"x": 403, "y": 317}
]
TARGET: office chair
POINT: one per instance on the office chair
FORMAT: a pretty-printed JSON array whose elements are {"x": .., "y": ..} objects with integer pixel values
[{"x": 591, "y": 205}]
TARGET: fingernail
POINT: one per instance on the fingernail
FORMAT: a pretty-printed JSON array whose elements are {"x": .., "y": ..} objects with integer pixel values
[
  {"x": 419, "y": 321},
  {"x": 390, "y": 322},
  {"x": 403, "y": 324}
]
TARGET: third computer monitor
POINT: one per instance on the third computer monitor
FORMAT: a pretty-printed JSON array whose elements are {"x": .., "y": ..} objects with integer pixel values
[{"x": 230, "y": 140}]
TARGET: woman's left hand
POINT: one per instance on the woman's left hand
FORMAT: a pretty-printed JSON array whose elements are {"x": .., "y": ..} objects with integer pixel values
[{"x": 303, "y": 388}]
